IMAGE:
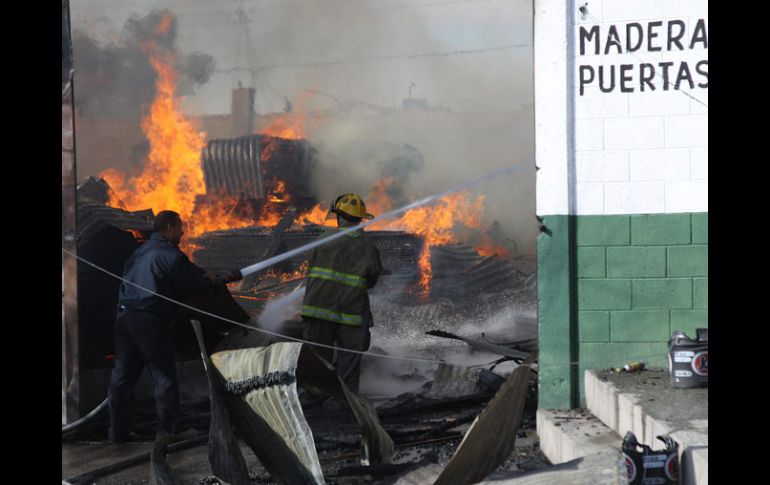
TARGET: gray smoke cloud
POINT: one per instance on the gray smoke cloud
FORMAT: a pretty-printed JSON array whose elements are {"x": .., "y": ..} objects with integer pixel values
[
  {"x": 466, "y": 65},
  {"x": 116, "y": 79}
]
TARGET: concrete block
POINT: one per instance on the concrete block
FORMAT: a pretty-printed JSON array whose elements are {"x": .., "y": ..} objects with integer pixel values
[
  {"x": 601, "y": 399},
  {"x": 659, "y": 102},
  {"x": 549, "y": 434},
  {"x": 636, "y": 262},
  {"x": 592, "y": 262},
  {"x": 605, "y": 231},
  {"x": 638, "y": 133},
  {"x": 626, "y": 404},
  {"x": 685, "y": 131},
  {"x": 694, "y": 466},
  {"x": 685, "y": 8},
  {"x": 563, "y": 440},
  {"x": 660, "y": 229},
  {"x": 589, "y": 134},
  {"x": 662, "y": 294},
  {"x": 660, "y": 164},
  {"x": 699, "y": 163},
  {"x": 633, "y": 10},
  {"x": 700, "y": 228},
  {"x": 688, "y": 260},
  {"x": 655, "y": 427},
  {"x": 604, "y": 294},
  {"x": 590, "y": 199},
  {"x": 634, "y": 198},
  {"x": 594, "y": 326},
  {"x": 687, "y": 196},
  {"x": 599, "y": 166},
  {"x": 699, "y": 100},
  {"x": 596, "y": 104}
]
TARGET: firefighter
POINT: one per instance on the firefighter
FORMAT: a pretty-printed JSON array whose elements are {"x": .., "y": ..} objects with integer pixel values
[
  {"x": 142, "y": 327},
  {"x": 336, "y": 307}
]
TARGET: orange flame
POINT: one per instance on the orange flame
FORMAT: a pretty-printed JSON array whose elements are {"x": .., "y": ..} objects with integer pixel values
[
  {"x": 164, "y": 24},
  {"x": 316, "y": 215},
  {"x": 300, "y": 272},
  {"x": 287, "y": 125},
  {"x": 172, "y": 177},
  {"x": 279, "y": 195},
  {"x": 292, "y": 125},
  {"x": 488, "y": 247},
  {"x": 436, "y": 223},
  {"x": 378, "y": 201}
]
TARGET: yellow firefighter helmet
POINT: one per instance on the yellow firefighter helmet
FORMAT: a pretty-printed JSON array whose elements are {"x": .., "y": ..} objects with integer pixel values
[{"x": 351, "y": 205}]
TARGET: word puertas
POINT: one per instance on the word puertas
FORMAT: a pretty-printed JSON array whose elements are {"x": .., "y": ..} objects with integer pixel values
[{"x": 655, "y": 36}]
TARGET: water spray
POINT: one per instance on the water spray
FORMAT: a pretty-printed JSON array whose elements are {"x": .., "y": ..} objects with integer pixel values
[{"x": 427, "y": 200}]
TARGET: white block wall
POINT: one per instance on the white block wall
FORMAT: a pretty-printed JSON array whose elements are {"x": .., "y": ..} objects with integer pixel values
[{"x": 624, "y": 153}]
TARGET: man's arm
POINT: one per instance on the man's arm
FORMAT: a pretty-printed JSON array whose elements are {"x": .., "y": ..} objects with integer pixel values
[{"x": 188, "y": 279}]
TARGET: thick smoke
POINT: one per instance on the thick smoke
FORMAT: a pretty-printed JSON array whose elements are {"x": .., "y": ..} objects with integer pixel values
[
  {"x": 351, "y": 65},
  {"x": 116, "y": 80}
]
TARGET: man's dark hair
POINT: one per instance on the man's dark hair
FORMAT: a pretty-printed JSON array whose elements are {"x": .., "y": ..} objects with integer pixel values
[{"x": 165, "y": 219}]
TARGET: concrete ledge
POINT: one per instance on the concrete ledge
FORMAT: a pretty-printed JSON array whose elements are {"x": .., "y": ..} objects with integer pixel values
[
  {"x": 566, "y": 435},
  {"x": 650, "y": 408},
  {"x": 694, "y": 464}
]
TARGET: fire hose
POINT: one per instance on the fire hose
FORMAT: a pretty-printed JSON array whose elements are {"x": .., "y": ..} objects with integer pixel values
[
  {"x": 88, "y": 417},
  {"x": 284, "y": 256},
  {"x": 307, "y": 247}
]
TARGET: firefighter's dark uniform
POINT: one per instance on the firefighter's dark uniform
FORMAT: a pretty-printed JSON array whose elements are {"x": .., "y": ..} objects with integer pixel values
[
  {"x": 336, "y": 305},
  {"x": 142, "y": 330}
]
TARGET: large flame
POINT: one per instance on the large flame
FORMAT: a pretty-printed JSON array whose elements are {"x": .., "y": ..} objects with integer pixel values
[
  {"x": 317, "y": 215},
  {"x": 293, "y": 124},
  {"x": 287, "y": 125},
  {"x": 437, "y": 223},
  {"x": 172, "y": 177}
]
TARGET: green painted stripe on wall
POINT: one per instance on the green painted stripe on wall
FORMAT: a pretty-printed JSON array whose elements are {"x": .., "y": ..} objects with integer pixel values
[
  {"x": 594, "y": 326},
  {"x": 688, "y": 260},
  {"x": 700, "y": 293},
  {"x": 660, "y": 229},
  {"x": 700, "y": 228},
  {"x": 554, "y": 307},
  {"x": 662, "y": 293},
  {"x": 604, "y": 294},
  {"x": 636, "y": 262},
  {"x": 592, "y": 262},
  {"x": 689, "y": 320},
  {"x": 638, "y": 277},
  {"x": 603, "y": 230},
  {"x": 640, "y": 326}
]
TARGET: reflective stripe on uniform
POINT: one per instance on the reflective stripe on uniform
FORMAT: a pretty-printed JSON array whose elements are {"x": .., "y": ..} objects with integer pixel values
[
  {"x": 336, "y": 317},
  {"x": 337, "y": 276}
]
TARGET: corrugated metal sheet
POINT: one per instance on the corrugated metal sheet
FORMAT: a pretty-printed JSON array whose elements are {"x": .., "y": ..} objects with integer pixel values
[
  {"x": 232, "y": 167},
  {"x": 245, "y": 167},
  {"x": 261, "y": 388},
  {"x": 274, "y": 424},
  {"x": 460, "y": 272},
  {"x": 93, "y": 217}
]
